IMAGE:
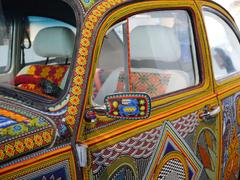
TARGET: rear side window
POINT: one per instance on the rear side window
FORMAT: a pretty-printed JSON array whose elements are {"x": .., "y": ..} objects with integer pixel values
[
  {"x": 5, "y": 42},
  {"x": 224, "y": 46},
  {"x": 151, "y": 52}
]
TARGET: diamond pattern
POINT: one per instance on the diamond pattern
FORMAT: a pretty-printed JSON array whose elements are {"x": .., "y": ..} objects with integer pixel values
[{"x": 154, "y": 84}]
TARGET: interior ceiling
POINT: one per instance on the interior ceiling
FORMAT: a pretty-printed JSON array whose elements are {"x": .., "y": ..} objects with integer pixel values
[{"x": 48, "y": 8}]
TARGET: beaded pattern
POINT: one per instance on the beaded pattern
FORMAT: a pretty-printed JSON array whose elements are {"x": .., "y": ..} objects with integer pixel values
[
  {"x": 22, "y": 131},
  {"x": 29, "y": 143},
  {"x": 79, "y": 74}
]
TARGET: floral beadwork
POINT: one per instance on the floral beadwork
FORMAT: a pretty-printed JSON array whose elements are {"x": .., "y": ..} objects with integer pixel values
[
  {"x": 91, "y": 21},
  {"x": 19, "y": 146}
]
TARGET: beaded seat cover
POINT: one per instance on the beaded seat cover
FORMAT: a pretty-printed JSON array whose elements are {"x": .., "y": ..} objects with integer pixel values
[
  {"x": 53, "y": 73},
  {"x": 154, "y": 84}
]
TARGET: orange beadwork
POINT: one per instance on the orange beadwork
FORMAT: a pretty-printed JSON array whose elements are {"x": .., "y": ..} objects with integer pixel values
[
  {"x": 232, "y": 166},
  {"x": 80, "y": 71},
  {"x": 14, "y": 148},
  {"x": 154, "y": 84},
  {"x": 12, "y": 115}
]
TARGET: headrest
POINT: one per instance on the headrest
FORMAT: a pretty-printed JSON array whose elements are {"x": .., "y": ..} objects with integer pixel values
[
  {"x": 54, "y": 42},
  {"x": 154, "y": 42}
]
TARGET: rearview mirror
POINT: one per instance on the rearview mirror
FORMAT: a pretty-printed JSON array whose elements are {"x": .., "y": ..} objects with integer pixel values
[{"x": 128, "y": 106}]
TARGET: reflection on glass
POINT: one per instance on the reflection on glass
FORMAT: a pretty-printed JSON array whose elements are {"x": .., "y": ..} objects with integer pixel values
[
  {"x": 151, "y": 52},
  {"x": 224, "y": 46},
  {"x": 4, "y": 41}
]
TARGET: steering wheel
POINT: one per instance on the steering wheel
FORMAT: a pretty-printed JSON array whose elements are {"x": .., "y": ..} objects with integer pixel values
[{"x": 48, "y": 87}]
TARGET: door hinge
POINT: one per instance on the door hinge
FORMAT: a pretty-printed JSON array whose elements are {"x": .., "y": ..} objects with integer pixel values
[{"x": 82, "y": 154}]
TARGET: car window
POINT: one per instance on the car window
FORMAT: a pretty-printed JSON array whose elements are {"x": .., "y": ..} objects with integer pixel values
[
  {"x": 232, "y": 7},
  {"x": 151, "y": 52},
  {"x": 224, "y": 46},
  {"x": 5, "y": 42},
  {"x": 43, "y": 42}
]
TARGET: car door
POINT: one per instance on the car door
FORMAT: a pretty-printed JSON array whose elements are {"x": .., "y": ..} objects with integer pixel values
[
  {"x": 225, "y": 51},
  {"x": 142, "y": 47},
  {"x": 34, "y": 144}
]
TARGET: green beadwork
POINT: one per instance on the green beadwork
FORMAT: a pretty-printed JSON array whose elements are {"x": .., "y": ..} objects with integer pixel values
[{"x": 87, "y": 3}]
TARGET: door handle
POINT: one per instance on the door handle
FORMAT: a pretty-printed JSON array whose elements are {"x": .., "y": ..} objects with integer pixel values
[{"x": 210, "y": 113}]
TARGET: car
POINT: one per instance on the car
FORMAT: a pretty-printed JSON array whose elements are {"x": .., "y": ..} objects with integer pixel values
[{"x": 119, "y": 89}]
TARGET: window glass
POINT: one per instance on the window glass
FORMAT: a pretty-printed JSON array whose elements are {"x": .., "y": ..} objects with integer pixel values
[
  {"x": 5, "y": 39},
  {"x": 151, "y": 52},
  {"x": 224, "y": 46},
  {"x": 43, "y": 40},
  {"x": 47, "y": 50},
  {"x": 232, "y": 7}
]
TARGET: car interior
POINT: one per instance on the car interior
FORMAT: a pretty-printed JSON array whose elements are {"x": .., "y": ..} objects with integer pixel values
[
  {"x": 41, "y": 45},
  {"x": 156, "y": 53},
  {"x": 52, "y": 42}
]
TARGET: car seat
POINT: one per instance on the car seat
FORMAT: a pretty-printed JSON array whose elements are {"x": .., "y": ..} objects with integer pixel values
[
  {"x": 56, "y": 42},
  {"x": 149, "y": 43}
]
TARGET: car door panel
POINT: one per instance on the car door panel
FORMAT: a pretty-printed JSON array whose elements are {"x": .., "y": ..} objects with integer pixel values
[
  {"x": 172, "y": 136},
  {"x": 226, "y": 86},
  {"x": 194, "y": 124}
]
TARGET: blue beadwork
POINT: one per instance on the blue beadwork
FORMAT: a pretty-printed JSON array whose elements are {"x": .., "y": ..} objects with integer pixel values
[{"x": 131, "y": 108}]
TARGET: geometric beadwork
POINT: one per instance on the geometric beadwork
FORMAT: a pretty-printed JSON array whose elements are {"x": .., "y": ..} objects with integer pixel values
[
  {"x": 25, "y": 144},
  {"x": 154, "y": 84},
  {"x": 130, "y": 106},
  {"x": 57, "y": 171},
  {"x": 186, "y": 124},
  {"x": 87, "y": 4},
  {"x": 22, "y": 131},
  {"x": 123, "y": 172},
  {"x": 207, "y": 152},
  {"x": 230, "y": 137},
  {"x": 80, "y": 72},
  {"x": 172, "y": 146},
  {"x": 174, "y": 169},
  {"x": 140, "y": 146},
  {"x": 56, "y": 163}
]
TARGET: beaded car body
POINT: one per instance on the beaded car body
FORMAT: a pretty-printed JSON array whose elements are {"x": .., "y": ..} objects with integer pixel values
[{"x": 118, "y": 89}]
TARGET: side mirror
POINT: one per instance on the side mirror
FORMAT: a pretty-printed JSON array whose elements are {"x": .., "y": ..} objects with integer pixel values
[{"x": 128, "y": 106}]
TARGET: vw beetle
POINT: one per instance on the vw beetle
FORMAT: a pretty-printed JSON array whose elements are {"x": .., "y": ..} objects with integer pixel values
[{"x": 118, "y": 89}]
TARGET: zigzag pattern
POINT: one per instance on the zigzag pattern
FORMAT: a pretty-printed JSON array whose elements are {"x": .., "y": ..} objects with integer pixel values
[
  {"x": 142, "y": 145},
  {"x": 186, "y": 125}
]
